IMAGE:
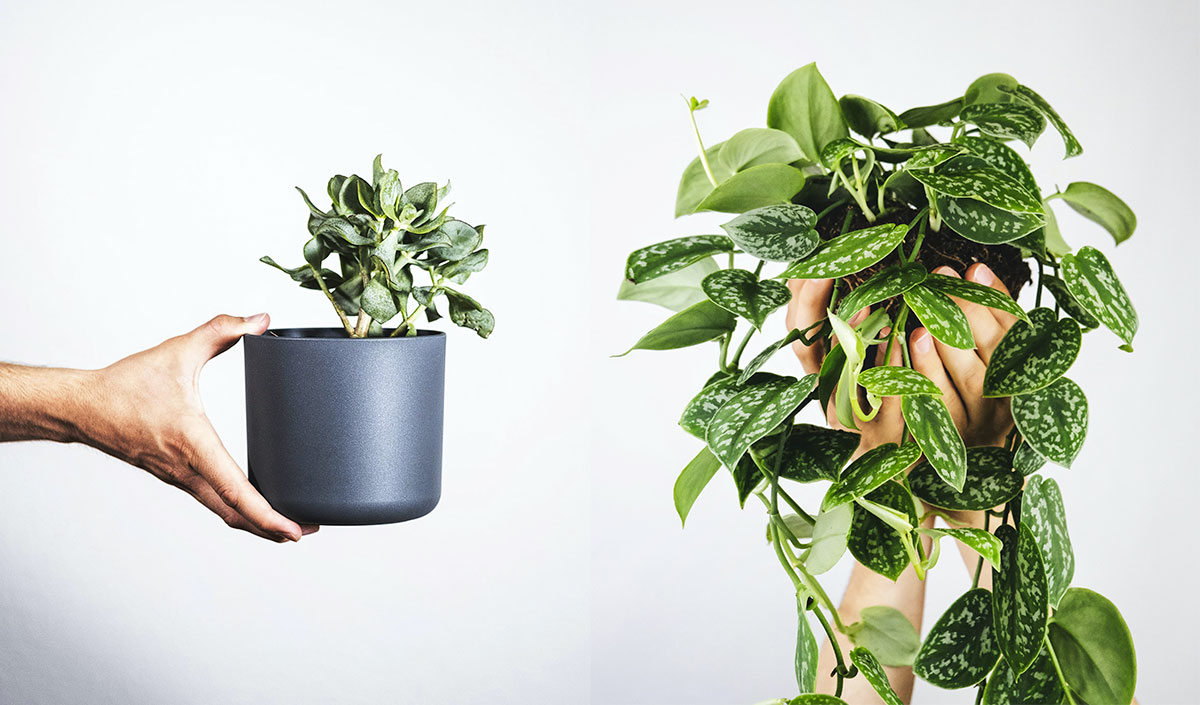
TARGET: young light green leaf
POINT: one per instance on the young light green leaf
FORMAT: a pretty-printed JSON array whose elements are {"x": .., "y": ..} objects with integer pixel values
[
  {"x": 990, "y": 88},
  {"x": 978, "y": 540},
  {"x": 829, "y": 538},
  {"x": 875, "y": 675},
  {"x": 1053, "y": 420},
  {"x": 1027, "y": 460},
  {"x": 962, "y": 179},
  {"x": 1102, "y": 206},
  {"x": 895, "y": 381},
  {"x": 696, "y": 324},
  {"x": 780, "y": 233},
  {"x": 868, "y": 118},
  {"x": 694, "y": 185},
  {"x": 873, "y": 538},
  {"x": 753, "y": 413},
  {"x": 693, "y": 480},
  {"x": 990, "y": 482},
  {"x": 1038, "y": 684},
  {"x": 1094, "y": 648},
  {"x": 1019, "y": 602},
  {"x": 975, "y": 293},
  {"x": 1006, "y": 121},
  {"x": 1072, "y": 145},
  {"x": 758, "y": 145},
  {"x": 740, "y": 292},
  {"x": 1042, "y": 511},
  {"x": 806, "y": 650},
  {"x": 811, "y": 453},
  {"x": 927, "y": 116},
  {"x": 804, "y": 107},
  {"x": 941, "y": 317},
  {"x": 675, "y": 291},
  {"x": 930, "y": 424},
  {"x": 1004, "y": 159},
  {"x": 1032, "y": 355},
  {"x": 887, "y": 633},
  {"x": 761, "y": 359},
  {"x": 648, "y": 263},
  {"x": 849, "y": 253},
  {"x": 1094, "y": 284},
  {"x": 758, "y": 186},
  {"x": 893, "y": 281},
  {"x": 871, "y": 470},
  {"x": 961, "y": 648},
  {"x": 1062, "y": 296},
  {"x": 1055, "y": 244},
  {"x": 977, "y": 221}
]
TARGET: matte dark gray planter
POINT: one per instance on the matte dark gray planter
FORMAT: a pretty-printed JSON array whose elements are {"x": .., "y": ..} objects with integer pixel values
[{"x": 343, "y": 430}]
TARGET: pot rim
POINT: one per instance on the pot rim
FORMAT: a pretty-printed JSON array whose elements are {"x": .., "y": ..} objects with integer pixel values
[{"x": 339, "y": 335}]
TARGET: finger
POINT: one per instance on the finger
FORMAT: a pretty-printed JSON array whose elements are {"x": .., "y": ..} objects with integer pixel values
[
  {"x": 810, "y": 298},
  {"x": 206, "y": 495},
  {"x": 926, "y": 360},
  {"x": 980, "y": 273},
  {"x": 984, "y": 327},
  {"x": 222, "y": 332}
]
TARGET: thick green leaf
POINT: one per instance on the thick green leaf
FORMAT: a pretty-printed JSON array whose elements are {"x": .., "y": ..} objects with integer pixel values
[
  {"x": 1027, "y": 460},
  {"x": 341, "y": 228},
  {"x": 740, "y": 292},
  {"x": 1004, "y": 159},
  {"x": 761, "y": 359},
  {"x": 1102, "y": 206},
  {"x": 875, "y": 675},
  {"x": 1055, "y": 244},
  {"x": 978, "y": 540},
  {"x": 961, "y": 648},
  {"x": 990, "y": 482},
  {"x": 1043, "y": 513},
  {"x": 849, "y": 253},
  {"x": 696, "y": 324},
  {"x": 975, "y": 293},
  {"x": 829, "y": 538},
  {"x": 675, "y": 291},
  {"x": 806, "y": 650},
  {"x": 377, "y": 301},
  {"x": 940, "y": 316},
  {"x": 804, "y": 107},
  {"x": 871, "y": 470},
  {"x": 648, "y": 263},
  {"x": 893, "y": 281},
  {"x": 872, "y": 541},
  {"x": 762, "y": 185},
  {"x": 303, "y": 275},
  {"x": 1094, "y": 648},
  {"x": 887, "y": 633},
  {"x": 468, "y": 313},
  {"x": 1073, "y": 148},
  {"x": 463, "y": 240},
  {"x": 990, "y": 88},
  {"x": 986, "y": 224},
  {"x": 746, "y": 477},
  {"x": 1006, "y": 121},
  {"x": 693, "y": 480},
  {"x": 753, "y": 413},
  {"x": 1032, "y": 355},
  {"x": 1062, "y": 296},
  {"x": 816, "y": 699},
  {"x": 1094, "y": 284},
  {"x": 811, "y": 453},
  {"x": 928, "y": 116},
  {"x": 776, "y": 233},
  {"x": 758, "y": 145},
  {"x": 1038, "y": 684},
  {"x": 700, "y": 410},
  {"x": 962, "y": 179},
  {"x": 930, "y": 424},
  {"x": 868, "y": 118},
  {"x": 694, "y": 185},
  {"x": 1053, "y": 420},
  {"x": 930, "y": 157},
  {"x": 831, "y": 372},
  {"x": 895, "y": 381},
  {"x": 1019, "y": 602}
]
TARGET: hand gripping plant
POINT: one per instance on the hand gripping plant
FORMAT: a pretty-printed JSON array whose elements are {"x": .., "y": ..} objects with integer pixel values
[{"x": 877, "y": 213}]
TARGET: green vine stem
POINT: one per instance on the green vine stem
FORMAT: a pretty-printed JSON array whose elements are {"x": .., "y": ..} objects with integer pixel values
[
  {"x": 1058, "y": 670},
  {"x": 341, "y": 314},
  {"x": 700, "y": 143}
]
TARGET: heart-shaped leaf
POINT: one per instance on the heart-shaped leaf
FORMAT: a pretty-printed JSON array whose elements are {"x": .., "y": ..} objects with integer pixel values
[
  {"x": 811, "y": 453},
  {"x": 868, "y": 118},
  {"x": 1094, "y": 648},
  {"x": 887, "y": 633},
  {"x": 804, "y": 107},
  {"x": 776, "y": 233},
  {"x": 753, "y": 413},
  {"x": 1102, "y": 206},
  {"x": 1027, "y": 460},
  {"x": 977, "y": 540},
  {"x": 1032, "y": 355},
  {"x": 1019, "y": 602},
  {"x": 941, "y": 317},
  {"x": 871, "y": 470},
  {"x": 1007, "y": 121},
  {"x": 875, "y": 675},
  {"x": 961, "y": 648},
  {"x": 694, "y": 185},
  {"x": 806, "y": 650},
  {"x": 829, "y": 539},
  {"x": 977, "y": 221},
  {"x": 675, "y": 291},
  {"x": 890, "y": 282},
  {"x": 1043, "y": 513},
  {"x": 895, "y": 381},
  {"x": 932, "y": 156},
  {"x": 849, "y": 253},
  {"x": 872, "y": 541},
  {"x": 1072, "y": 145},
  {"x": 696, "y": 324},
  {"x": 1095, "y": 285},
  {"x": 758, "y": 186},
  {"x": 1038, "y": 684},
  {"x": 654, "y": 261},
  {"x": 758, "y": 145},
  {"x": 990, "y": 482},
  {"x": 693, "y": 480},
  {"x": 975, "y": 293},
  {"x": 930, "y": 424},
  {"x": 700, "y": 410},
  {"x": 927, "y": 116},
  {"x": 740, "y": 292},
  {"x": 963, "y": 179},
  {"x": 1062, "y": 296},
  {"x": 763, "y": 357},
  {"x": 1004, "y": 159},
  {"x": 1053, "y": 420}
]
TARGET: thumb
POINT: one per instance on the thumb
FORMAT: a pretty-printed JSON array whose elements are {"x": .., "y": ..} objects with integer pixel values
[{"x": 222, "y": 332}]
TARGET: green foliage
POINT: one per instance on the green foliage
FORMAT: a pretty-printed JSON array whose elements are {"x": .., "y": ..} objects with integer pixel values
[
  {"x": 380, "y": 234},
  {"x": 1094, "y": 648},
  {"x": 961, "y": 649},
  {"x": 887, "y": 634},
  {"x": 1019, "y": 597}
]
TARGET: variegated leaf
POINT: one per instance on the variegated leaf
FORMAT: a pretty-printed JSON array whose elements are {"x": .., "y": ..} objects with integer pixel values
[
  {"x": 872, "y": 541},
  {"x": 849, "y": 253},
  {"x": 990, "y": 482},
  {"x": 958, "y": 179},
  {"x": 1019, "y": 603},
  {"x": 1062, "y": 296},
  {"x": 753, "y": 413},
  {"x": 1007, "y": 121},
  {"x": 693, "y": 480},
  {"x": 895, "y": 381},
  {"x": 1004, "y": 159},
  {"x": 941, "y": 317},
  {"x": 930, "y": 424},
  {"x": 672, "y": 255},
  {"x": 740, "y": 292},
  {"x": 875, "y": 675},
  {"x": 1072, "y": 145},
  {"x": 961, "y": 648},
  {"x": 871, "y": 470},
  {"x": 699, "y": 411},
  {"x": 933, "y": 156},
  {"x": 1032, "y": 355},
  {"x": 1038, "y": 684},
  {"x": 838, "y": 150},
  {"x": 829, "y": 539},
  {"x": 977, "y": 221},
  {"x": 975, "y": 293},
  {"x": 887, "y": 634},
  {"x": 890, "y": 282},
  {"x": 1042, "y": 511},
  {"x": 811, "y": 453},
  {"x": 1027, "y": 460},
  {"x": 978, "y": 540},
  {"x": 758, "y": 186},
  {"x": 1053, "y": 420},
  {"x": 1101, "y": 206},
  {"x": 1094, "y": 284},
  {"x": 816, "y": 699},
  {"x": 806, "y": 650},
  {"x": 780, "y": 233},
  {"x": 696, "y": 324},
  {"x": 761, "y": 359}
]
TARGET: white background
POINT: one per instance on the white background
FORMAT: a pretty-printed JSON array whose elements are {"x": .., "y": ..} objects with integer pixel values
[{"x": 148, "y": 155}]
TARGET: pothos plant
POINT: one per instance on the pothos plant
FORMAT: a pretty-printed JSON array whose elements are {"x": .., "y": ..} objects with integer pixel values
[
  {"x": 382, "y": 234},
  {"x": 849, "y": 190}
]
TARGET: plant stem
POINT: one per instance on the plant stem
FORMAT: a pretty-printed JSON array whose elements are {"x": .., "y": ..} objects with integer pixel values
[
  {"x": 1058, "y": 669},
  {"x": 341, "y": 314},
  {"x": 916, "y": 249},
  {"x": 700, "y": 143},
  {"x": 363, "y": 325},
  {"x": 724, "y": 367},
  {"x": 829, "y": 209},
  {"x": 987, "y": 518},
  {"x": 737, "y": 355},
  {"x": 841, "y": 670},
  {"x": 1038, "y": 301},
  {"x": 404, "y": 326}
]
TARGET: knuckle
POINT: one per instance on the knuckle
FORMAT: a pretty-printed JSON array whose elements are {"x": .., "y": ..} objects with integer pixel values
[{"x": 229, "y": 494}]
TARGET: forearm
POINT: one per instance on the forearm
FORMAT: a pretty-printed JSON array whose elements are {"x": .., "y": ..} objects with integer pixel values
[{"x": 41, "y": 403}]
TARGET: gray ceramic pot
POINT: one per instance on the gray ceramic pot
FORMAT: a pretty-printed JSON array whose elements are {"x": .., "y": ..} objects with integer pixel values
[{"x": 342, "y": 430}]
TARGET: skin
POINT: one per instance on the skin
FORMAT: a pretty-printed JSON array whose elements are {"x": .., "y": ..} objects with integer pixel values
[
  {"x": 146, "y": 410},
  {"x": 959, "y": 375}
]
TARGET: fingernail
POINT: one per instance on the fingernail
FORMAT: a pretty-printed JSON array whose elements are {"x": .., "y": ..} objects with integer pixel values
[
  {"x": 306, "y": 530},
  {"x": 921, "y": 341},
  {"x": 983, "y": 275},
  {"x": 945, "y": 270}
]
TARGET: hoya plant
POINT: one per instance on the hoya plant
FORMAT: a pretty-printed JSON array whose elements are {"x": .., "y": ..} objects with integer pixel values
[
  {"x": 383, "y": 236},
  {"x": 846, "y": 189}
]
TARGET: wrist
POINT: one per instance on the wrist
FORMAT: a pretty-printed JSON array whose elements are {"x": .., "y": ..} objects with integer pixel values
[{"x": 40, "y": 403}]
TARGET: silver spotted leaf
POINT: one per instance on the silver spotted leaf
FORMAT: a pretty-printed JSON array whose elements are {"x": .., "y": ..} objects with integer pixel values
[
  {"x": 700, "y": 410},
  {"x": 887, "y": 634},
  {"x": 675, "y": 291},
  {"x": 810, "y": 453},
  {"x": 761, "y": 359},
  {"x": 673, "y": 255},
  {"x": 890, "y": 282},
  {"x": 980, "y": 222},
  {"x": 740, "y": 292},
  {"x": 1006, "y": 121},
  {"x": 780, "y": 233},
  {"x": 1043, "y": 513},
  {"x": 693, "y": 480},
  {"x": 1004, "y": 159},
  {"x": 816, "y": 699},
  {"x": 806, "y": 650},
  {"x": 1032, "y": 355},
  {"x": 1094, "y": 284},
  {"x": 872, "y": 541},
  {"x": 941, "y": 317},
  {"x": 1031, "y": 96},
  {"x": 1063, "y": 297},
  {"x": 849, "y": 253},
  {"x": 753, "y": 413},
  {"x": 934, "y": 155},
  {"x": 1019, "y": 604},
  {"x": 1053, "y": 420},
  {"x": 961, "y": 649},
  {"x": 895, "y": 381},
  {"x": 977, "y": 540},
  {"x": 1038, "y": 684},
  {"x": 837, "y": 150},
  {"x": 930, "y": 423},
  {"x": 1027, "y": 460},
  {"x": 693, "y": 325},
  {"x": 990, "y": 482},
  {"x": 875, "y": 675},
  {"x": 1094, "y": 648},
  {"x": 965, "y": 178},
  {"x": 975, "y": 293},
  {"x": 871, "y": 470}
]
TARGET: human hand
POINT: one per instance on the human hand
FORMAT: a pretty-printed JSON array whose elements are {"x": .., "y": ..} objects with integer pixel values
[{"x": 146, "y": 410}]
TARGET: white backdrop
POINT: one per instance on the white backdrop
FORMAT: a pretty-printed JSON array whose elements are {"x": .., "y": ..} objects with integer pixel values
[{"x": 148, "y": 155}]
